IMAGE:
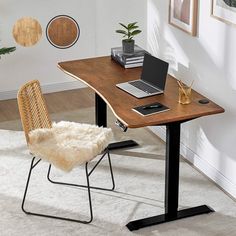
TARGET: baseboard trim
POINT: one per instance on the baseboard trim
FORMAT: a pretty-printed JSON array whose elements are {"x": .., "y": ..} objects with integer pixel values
[
  {"x": 211, "y": 172},
  {"x": 47, "y": 88}
]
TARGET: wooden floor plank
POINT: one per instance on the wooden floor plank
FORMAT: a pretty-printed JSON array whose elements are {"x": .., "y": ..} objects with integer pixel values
[{"x": 56, "y": 102}]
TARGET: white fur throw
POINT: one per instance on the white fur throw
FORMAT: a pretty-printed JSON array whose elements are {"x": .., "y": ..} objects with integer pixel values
[{"x": 68, "y": 144}]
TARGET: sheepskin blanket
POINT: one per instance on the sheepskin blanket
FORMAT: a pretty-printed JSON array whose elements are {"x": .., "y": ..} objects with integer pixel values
[{"x": 68, "y": 144}]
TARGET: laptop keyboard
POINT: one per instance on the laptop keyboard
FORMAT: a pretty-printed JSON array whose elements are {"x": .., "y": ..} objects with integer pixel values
[{"x": 144, "y": 87}]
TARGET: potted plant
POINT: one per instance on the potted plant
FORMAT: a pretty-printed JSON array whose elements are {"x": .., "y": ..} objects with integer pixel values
[
  {"x": 6, "y": 50},
  {"x": 128, "y": 32}
]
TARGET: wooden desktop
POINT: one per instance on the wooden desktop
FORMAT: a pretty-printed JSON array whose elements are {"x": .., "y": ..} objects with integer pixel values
[{"x": 102, "y": 74}]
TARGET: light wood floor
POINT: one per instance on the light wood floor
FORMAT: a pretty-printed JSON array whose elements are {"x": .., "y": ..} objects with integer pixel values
[{"x": 56, "y": 102}]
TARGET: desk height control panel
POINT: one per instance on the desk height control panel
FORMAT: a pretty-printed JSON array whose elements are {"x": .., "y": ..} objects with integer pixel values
[{"x": 121, "y": 125}]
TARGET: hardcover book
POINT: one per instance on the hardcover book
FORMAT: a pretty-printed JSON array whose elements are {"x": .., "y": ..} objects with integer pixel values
[
  {"x": 127, "y": 65},
  {"x": 138, "y": 53},
  {"x": 129, "y": 60}
]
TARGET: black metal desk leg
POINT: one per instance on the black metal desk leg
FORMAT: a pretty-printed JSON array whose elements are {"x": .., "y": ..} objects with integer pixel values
[
  {"x": 100, "y": 111},
  {"x": 172, "y": 169},
  {"x": 101, "y": 120},
  {"x": 171, "y": 186}
]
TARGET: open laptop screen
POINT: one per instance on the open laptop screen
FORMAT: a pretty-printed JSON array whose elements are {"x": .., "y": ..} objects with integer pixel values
[{"x": 154, "y": 71}]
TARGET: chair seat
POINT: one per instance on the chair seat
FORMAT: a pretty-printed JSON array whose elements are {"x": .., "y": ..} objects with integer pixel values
[{"x": 68, "y": 144}]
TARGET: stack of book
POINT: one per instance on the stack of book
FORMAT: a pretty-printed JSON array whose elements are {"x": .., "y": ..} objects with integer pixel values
[{"x": 128, "y": 60}]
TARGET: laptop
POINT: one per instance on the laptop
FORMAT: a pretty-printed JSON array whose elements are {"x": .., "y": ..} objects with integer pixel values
[{"x": 152, "y": 81}]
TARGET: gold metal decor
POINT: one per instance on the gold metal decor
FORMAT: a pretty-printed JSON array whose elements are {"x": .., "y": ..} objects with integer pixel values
[
  {"x": 185, "y": 92},
  {"x": 27, "y": 31}
]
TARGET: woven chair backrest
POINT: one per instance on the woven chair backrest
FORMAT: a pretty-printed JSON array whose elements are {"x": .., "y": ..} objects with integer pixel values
[{"x": 32, "y": 108}]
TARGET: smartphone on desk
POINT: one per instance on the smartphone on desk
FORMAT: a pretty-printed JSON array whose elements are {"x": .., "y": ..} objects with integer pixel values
[{"x": 150, "y": 109}]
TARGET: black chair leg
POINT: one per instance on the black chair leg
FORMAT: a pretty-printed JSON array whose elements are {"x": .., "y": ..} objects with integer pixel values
[
  {"x": 84, "y": 186},
  {"x": 112, "y": 176},
  {"x": 52, "y": 216},
  {"x": 89, "y": 194},
  {"x": 26, "y": 187}
]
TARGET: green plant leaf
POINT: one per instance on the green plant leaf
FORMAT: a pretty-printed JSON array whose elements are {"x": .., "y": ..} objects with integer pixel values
[
  {"x": 130, "y": 25},
  {"x": 134, "y": 27},
  {"x": 7, "y": 50},
  {"x": 121, "y": 32},
  {"x": 123, "y": 25},
  {"x": 136, "y": 32},
  {"x": 131, "y": 30}
]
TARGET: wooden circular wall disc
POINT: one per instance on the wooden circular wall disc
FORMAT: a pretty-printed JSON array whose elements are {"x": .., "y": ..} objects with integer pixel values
[
  {"x": 27, "y": 31},
  {"x": 62, "y": 31}
]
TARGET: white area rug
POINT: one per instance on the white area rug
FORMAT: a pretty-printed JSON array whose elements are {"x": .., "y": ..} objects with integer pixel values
[{"x": 139, "y": 193}]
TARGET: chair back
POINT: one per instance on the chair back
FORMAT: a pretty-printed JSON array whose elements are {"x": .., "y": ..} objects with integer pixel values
[{"x": 32, "y": 108}]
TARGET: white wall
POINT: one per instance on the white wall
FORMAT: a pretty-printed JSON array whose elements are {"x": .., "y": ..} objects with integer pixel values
[
  {"x": 109, "y": 13},
  {"x": 40, "y": 61},
  {"x": 209, "y": 59},
  {"x": 97, "y": 19}
]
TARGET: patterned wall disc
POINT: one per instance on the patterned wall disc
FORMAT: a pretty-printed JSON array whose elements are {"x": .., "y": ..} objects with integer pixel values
[
  {"x": 62, "y": 31},
  {"x": 27, "y": 31}
]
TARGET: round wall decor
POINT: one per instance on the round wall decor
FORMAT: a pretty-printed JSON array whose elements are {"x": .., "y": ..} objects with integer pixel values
[
  {"x": 27, "y": 31},
  {"x": 62, "y": 31}
]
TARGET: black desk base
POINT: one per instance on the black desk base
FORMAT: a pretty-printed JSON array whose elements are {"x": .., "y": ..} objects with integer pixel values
[
  {"x": 101, "y": 120},
  {"x": 171, "y": 173},
  {"x": 155, "y": 220},
  {"x": 122, "y": 144},
  {"x": 171, "y": 185}
]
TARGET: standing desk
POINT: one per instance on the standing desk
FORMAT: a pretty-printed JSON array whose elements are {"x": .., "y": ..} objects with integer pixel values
[{"x": 102, "y": 74}]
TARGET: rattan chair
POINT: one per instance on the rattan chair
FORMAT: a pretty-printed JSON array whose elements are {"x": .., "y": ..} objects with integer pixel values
[{"x": 34, "y": 115}]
